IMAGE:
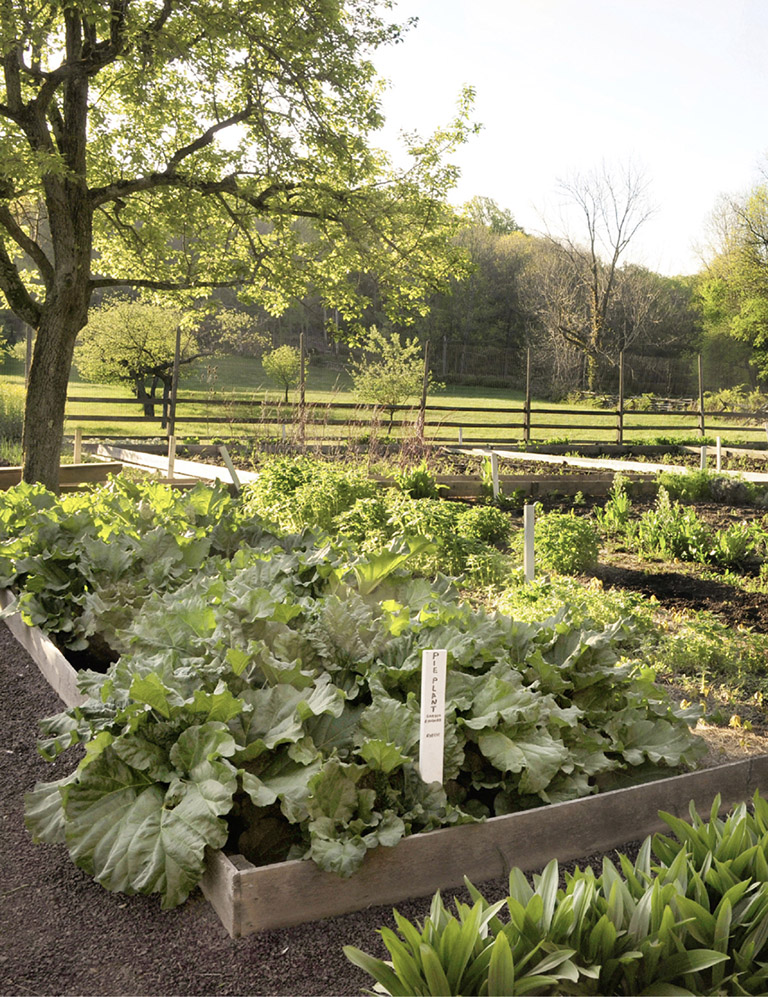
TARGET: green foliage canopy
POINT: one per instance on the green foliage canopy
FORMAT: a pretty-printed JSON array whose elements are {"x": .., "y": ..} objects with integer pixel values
[
  {"x": 181, "y": 146},
  {"x": 389, "y": 372},
  {"x": 131, "y": 341}
]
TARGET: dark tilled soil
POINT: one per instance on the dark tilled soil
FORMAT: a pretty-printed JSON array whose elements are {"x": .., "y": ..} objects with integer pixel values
[
  {"x": 684, "y": 589},
  {"x": 63, "y": 934}
]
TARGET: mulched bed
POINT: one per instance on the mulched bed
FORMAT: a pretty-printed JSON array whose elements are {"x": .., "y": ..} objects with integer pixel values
[{"x": 65, "y": 935}]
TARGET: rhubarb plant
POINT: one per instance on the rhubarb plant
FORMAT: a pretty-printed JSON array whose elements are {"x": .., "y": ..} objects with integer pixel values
[{"x": 270, "y": 705}]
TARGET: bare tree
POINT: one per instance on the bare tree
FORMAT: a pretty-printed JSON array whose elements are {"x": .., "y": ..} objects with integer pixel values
[{"x": 584, "y": 270}]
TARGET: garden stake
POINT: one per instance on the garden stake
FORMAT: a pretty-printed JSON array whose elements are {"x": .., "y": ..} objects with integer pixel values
[{"x": 528, "y": 552}]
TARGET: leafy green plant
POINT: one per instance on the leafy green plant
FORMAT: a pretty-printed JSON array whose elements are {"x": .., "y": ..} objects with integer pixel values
[
  {"x": 485, "y": 524},
  {"x": 613, "y": 518},
  {"x": 418, "y": 482},
  {"x": 272, "y": 701},
  {"x": 671, "y": 532},
  {"x": 688, "y": 916},
  {"x": 565, "y": 543}
]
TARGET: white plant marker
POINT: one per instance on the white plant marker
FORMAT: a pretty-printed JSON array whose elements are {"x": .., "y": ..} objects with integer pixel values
[
  {"x": 703, "y": 462},
  {"x": 432, "y": 737},
  {"x": 719, "y": 455},
  {"x": 528, "y": 554},
  {"x": 77, "y": 456},
  {"x": 461, "y": 435},
  {"x": 230, "y": 467}
]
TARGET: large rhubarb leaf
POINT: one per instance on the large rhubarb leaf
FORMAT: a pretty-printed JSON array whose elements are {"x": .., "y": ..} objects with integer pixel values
[{"x": 136, "y": 835}]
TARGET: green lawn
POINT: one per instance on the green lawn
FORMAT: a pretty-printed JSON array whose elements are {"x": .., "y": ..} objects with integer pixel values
[{"x": 238, "y": 379}]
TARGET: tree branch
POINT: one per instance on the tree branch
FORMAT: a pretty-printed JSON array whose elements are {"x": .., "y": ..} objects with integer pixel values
[
  {"x": 27, "y": 244},
  {"x": 19, "y": 298}
]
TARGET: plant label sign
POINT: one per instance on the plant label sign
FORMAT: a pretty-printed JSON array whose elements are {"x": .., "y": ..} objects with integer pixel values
[{"x": 433, "y": 672}]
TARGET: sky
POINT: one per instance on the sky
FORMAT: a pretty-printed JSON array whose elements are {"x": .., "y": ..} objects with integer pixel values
[{"x": 677, "y": 88}]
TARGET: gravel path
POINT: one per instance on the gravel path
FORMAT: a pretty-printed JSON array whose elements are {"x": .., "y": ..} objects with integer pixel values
[{"x": 64, "y": 934}]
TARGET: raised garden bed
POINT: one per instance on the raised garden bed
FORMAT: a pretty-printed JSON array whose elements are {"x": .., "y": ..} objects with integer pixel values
[{"x": 249, "y": 898}]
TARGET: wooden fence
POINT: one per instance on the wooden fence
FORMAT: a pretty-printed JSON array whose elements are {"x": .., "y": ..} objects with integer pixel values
[{"x": 335, "y": 421}]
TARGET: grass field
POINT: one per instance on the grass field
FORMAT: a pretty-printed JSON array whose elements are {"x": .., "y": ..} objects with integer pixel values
[{"x": 454, "y": 412}]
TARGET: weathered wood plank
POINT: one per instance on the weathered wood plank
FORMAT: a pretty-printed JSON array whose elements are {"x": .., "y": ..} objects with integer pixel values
[
  {"x": 69, "y": 474},
  {"x": 184, "y": 468},
  {"x": 56, "y": 670},
  {"x": 421, "y": 864}
]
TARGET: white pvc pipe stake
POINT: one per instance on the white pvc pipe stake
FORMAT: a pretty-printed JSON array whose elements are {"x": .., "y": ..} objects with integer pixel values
[
  {"x": 461, "y": 435},
  {"x": 528, "y": 549},
  {"x": 77, "y": 456},
  {"x": 432, "y": 735},
  {"x": 495, "y": 475},
  {"x": 230, "y": 467},
  {"x": 171, "y": 456},
  {"x": 703, "y": 458},
  {"x": 719, "y": 455}
]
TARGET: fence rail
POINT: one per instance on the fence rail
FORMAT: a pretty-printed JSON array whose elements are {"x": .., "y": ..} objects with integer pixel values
[{"x": 332, "y": 421}]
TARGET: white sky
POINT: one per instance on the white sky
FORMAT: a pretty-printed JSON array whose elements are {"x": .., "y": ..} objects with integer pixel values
[{"x": 677, "y": 87}]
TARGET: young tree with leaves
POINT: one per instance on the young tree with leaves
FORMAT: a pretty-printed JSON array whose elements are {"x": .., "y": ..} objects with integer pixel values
[
  {"x": 389, "y": 371},
  {"x": 283, "y": 366},
  {"x": 177, "y": 144}
]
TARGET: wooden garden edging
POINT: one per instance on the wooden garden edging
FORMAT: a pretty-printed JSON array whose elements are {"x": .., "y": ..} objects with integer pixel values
[
  {"x": 251, "y": 898},
  {"x": 70, "y": 475}
]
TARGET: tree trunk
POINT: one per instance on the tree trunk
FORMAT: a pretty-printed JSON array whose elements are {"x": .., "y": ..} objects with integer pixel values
[
  {"x": 63, "y": 317},
  {"x": 147, "y": 401}
]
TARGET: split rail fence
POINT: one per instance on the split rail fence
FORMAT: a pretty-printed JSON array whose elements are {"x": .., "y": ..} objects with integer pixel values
[{"x": 330, "y": 422}]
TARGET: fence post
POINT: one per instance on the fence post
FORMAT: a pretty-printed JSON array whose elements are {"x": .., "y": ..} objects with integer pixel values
[
  {"x": 174, "y": 388},
  {"x": 620, "y": 413},
  {"x": 701, "y": 398},
  {"x": 527, "y": 406},
  {"x": 424, "y": 389},
  {"x": 302, "y": 388}
]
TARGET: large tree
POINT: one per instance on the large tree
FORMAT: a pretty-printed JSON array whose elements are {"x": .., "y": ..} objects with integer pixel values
[
  {"x": 584, "y": 268},
  {"x": 175, "y": 144}
]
